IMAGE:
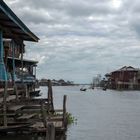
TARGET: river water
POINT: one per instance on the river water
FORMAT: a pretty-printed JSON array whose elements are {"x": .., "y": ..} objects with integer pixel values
[{"x": 101, "y": 115}]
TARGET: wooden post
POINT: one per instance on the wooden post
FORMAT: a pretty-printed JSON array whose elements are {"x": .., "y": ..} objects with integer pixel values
[
  {"x": 44, "y": 115},
  {"x": 50, "y": 133},
  {"x": 6, "y": 49},
  {"x": 16, "y": 91},
  {"x": 13, "y": 65},
  {"x": 35, "y": 71},
  {"x": 3, "y": 76},
  {"x": 64, "y": 111},
  {"x": 5, "y": 104},
  {"x": 50, "y": 129},
  {"x": 50, "y": 96},
  {"x": 35, "y": 77},
  {"x": 26, "y": 91},
  {"x": 22, "y": 49}
]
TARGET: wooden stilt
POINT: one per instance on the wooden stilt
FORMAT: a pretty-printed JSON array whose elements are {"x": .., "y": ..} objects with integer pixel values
[
  {"x": 3, "y": 77},
  {"x": 26, "y": 91},
  {"x": 64, "y": 111},
  {"x": 22, "y": 47},
  {"x": 50, "y": 133},
  {"x": 13, "y": 64},
  {"x": 16, "y": 91},
  {"x": 44, "y": 115},
  {"x": 5, "y": 104},
  {"x": 50, "y": 96}
]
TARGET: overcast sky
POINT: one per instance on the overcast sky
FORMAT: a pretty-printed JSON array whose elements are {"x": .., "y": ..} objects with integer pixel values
[{"x": 81, "y": 38}]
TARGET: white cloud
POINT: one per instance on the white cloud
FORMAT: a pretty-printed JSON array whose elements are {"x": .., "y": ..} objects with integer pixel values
[{"x": 80, "y": 39}]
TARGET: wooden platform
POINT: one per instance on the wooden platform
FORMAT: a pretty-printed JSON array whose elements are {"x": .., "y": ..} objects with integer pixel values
[
  {"x": 39, "y": 127},
  {"x": 13, "y": 127},
  {"x": 8, "y": 89},
  {"x": 15, "y": 107},
  {"x": 31, "y": 115},
  {"x": 32, "y": 101},
  {"x": 26, "y": 116},
  {"x": 9, "y": 98},
  {"x": 56, "y": 118},
  {"x": 8, "y": 115}
]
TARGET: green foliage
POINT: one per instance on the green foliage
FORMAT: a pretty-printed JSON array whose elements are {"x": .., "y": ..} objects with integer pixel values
[{"x": 70, "y": 119}]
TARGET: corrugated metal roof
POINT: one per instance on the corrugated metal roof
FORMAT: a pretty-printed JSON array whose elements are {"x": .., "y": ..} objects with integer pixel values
[
  {"x": 126, "y": 68},
  {"x": 13, "y": 26}
]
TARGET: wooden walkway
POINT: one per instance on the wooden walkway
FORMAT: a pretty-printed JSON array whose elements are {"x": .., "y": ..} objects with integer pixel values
[
  {"x": 26, "y": 117},
  {"x": 15, "y": 108},
  {"x": 8, "y": 89},
  {"x": 36, "y": 113},
  {"x": 9, "y": 98}
]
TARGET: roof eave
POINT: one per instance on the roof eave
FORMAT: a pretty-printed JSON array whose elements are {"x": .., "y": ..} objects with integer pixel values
[{"x": 18, "y": 22}]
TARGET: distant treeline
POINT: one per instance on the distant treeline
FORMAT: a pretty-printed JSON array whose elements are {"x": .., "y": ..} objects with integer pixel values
[{"x": 61, "y": 82}]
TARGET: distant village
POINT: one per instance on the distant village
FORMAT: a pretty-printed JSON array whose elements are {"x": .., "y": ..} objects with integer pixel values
[
  {"x": 125, "y": 78},
  {"x": 61, "y": 82}
]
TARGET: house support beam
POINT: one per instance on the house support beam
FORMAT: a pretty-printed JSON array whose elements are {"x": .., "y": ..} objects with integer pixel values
[{"x": 3, "y": 78}]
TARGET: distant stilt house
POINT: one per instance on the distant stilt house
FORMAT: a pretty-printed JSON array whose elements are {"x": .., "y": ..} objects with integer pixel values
[{"x": 124, "y": 78}]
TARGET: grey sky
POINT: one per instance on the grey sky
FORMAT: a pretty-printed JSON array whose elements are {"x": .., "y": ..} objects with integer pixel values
[{"x": 81, "y": 38}]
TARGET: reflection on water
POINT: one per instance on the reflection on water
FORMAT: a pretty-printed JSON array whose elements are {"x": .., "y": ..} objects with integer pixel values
[{"x": 101, "y": 115}]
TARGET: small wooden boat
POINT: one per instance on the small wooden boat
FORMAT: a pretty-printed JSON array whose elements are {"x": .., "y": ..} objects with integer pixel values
[
  {"x": 83, "y": 89},
  {"x": 104, "y": 88}
]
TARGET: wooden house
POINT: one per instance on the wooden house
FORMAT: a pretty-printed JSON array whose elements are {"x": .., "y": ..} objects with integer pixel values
[
  {"x": 125, "y": 78},
  {"x": 13, "y": 33},
  {"x": 19, "y": 112}
]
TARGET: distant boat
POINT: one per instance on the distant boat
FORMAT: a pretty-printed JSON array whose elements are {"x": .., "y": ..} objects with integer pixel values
[
  {"x": 83, "y": 89},
  {"x": 104, "y": 88}
]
